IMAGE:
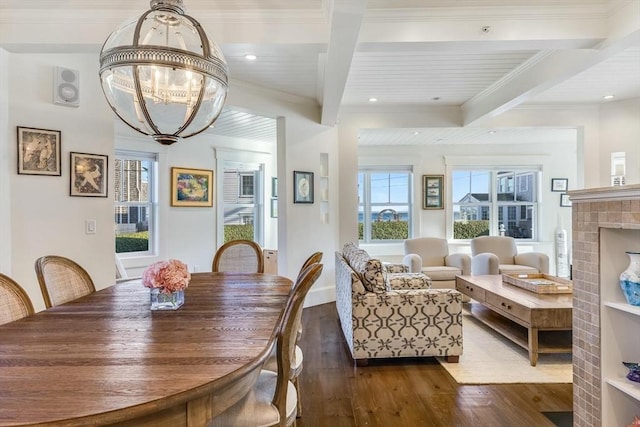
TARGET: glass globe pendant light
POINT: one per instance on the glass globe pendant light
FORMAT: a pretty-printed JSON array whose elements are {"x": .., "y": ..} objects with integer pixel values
[{"x": 162, "y": 75}]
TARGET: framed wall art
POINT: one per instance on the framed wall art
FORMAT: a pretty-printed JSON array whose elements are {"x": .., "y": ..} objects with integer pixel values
[
  {"x": 191, "y": 187},
  {"x": 559, "y": 184},
  {"x": 302, "y": 187},
  {"x": 432, "y": 191},
  {"x": 274, "y": 208},
  {"x": 565, "y": 201},
  {"x": 39, "y": 151},
  {"x": 274, "y": 187},
  {"x": 88, "y": 175}
]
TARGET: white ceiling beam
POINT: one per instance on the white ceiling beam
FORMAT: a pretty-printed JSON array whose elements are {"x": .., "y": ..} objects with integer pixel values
[
  {"x": 551, "y": 67},
  {"x": 542, "y": 72},
  {"x": 346, "y": 19}
]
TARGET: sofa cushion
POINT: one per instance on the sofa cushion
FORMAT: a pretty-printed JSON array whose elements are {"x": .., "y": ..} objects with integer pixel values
[
  {"x": 370, "y": 271},
  {"x": 442, "y": 272},
  {"x": 374, "y": 276},
  {"x": 398, "y": 281},
  {"x": 356, "y": 284}
]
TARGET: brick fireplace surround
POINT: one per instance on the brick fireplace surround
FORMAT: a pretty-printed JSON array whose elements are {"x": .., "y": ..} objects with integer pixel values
[{"x": 595, "y": 210}]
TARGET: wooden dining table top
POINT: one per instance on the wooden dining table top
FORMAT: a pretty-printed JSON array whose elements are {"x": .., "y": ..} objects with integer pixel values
[{"x": 107, "y": 357}]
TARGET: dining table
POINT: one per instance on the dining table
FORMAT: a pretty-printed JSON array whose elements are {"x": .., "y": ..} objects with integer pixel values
[{"x": 107, "y": 359}]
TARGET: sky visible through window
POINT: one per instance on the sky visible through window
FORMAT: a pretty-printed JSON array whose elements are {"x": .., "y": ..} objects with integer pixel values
[{"x": 465, "y": 182}]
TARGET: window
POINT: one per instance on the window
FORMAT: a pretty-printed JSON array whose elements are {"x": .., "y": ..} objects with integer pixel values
[
  {"x": 246, "y": 185},
  {"x": 489, "y": 202},
  {"x": 135, "y": 202},
  {"x": 242, "y": 196},
  {"x": 384, "y": 210}
]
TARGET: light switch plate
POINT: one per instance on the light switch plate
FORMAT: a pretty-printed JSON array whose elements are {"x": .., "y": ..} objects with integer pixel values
[{"x": 90, "y": 226}]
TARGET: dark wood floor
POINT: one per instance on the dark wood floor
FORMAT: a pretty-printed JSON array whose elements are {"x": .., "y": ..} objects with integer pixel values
[{"x": 406, "y": 392}]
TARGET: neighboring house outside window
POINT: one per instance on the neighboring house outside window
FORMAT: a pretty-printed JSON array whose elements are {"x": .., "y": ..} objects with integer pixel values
[
  {"x": 488, "y": 201},
  {"x": 134, "y": 202},
  {"x": 384, "y": 208}
]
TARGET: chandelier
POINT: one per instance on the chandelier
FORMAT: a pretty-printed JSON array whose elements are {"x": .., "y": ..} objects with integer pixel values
[{"x": 162, "y": 75}]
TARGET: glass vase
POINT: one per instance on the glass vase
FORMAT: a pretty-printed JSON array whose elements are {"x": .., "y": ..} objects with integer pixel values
[
  {"x": 166, "y": 301},
  {"x": 630, "y": 279}
]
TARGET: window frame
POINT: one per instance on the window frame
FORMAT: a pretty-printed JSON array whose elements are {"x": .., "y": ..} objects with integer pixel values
[
  {"x": 151, "y": 204},
  {"x": 494, "y": 204},
  {"x": 367, "y": 204}
]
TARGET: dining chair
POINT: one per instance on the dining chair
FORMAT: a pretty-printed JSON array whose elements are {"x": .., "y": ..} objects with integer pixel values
[
  {"x": 296, "y": 361},
  {"x": 314, "y": 258},
  {"x": 14, "y": 301},
  {"x": 272, "y": 400},
  {"x": 238, "y": 256},
  {"x": 62, "y": 280}
]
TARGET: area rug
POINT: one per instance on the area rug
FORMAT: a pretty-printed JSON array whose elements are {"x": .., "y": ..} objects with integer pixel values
[{"x": 489, "y": 358}]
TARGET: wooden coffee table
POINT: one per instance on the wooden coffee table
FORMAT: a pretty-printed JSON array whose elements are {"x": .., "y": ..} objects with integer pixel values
[{"x": 540, "y": 323}]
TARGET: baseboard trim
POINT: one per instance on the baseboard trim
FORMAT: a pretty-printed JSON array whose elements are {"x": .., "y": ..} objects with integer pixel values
[{"x": 320, "y": 296}]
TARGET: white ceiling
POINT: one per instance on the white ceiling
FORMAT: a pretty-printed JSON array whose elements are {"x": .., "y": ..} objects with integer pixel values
[{"x": 481, "y": 56}]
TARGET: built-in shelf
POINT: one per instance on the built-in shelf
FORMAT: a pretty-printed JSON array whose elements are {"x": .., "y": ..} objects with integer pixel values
[
  {"x": 627, "y": 387},
  {"x": 627, "y": 308}
]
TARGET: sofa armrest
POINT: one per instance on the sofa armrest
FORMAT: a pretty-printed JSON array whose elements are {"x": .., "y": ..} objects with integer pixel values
[
  {"x": 405, "y": 281},
  {"x": 537, "y": 260},
  {"x": 461, "y": 261},
  {"x": 391, "y": 267},
  {"x": 485, "y": 263},
  {"x": 414, "y": 262}
]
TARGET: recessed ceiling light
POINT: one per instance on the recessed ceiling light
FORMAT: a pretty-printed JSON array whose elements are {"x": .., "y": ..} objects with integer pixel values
[
  {"x": 608, "y": 97},
  {"x": 435, "y": 98},
  {"x": 250, "y": 57},
  {"x": 491, "y": 132},
  {"x": 373, "y": 99},
  {"x": 415, "y": 132},
  {"x": 440, "y": 140}
]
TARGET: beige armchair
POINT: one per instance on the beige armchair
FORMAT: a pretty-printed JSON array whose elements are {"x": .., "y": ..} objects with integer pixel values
[
  {"x": 430, "y": 255},
  {"x": 499, "y": 255}
]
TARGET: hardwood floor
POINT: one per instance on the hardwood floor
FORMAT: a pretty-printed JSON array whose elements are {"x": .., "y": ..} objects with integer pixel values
[{"x": 406, "y": 392}]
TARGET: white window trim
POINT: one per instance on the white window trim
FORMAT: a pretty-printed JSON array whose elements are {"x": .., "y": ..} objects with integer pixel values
[
  {"x": 138, "y": 145},
  {"x": 520, "y": 162},
  {"x": 367, "y": 206}
]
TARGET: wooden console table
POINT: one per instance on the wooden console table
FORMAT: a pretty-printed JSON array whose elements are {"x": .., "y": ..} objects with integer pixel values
[{"x": 537, "y": 322}]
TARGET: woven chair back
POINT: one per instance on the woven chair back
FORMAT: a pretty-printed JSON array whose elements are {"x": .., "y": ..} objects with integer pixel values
[
  {"x": 62, "y": 280},
  {"x": 14, "y": 301},
  {"x": 239, "y": 256}
]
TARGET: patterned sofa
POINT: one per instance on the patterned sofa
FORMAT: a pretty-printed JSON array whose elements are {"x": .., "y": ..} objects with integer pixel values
[{"x": 386, "y": 312}]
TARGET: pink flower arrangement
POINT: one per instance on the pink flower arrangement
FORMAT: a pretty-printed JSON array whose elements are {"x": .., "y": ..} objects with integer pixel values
[{"x": 169, "y": 276}]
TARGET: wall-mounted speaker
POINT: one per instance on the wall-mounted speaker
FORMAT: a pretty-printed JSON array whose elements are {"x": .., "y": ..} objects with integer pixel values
[{"x": 66, "y": 87}]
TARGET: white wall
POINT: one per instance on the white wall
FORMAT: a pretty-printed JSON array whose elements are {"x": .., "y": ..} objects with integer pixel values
[
  {"x": 45, "y": 220},
  {"x": 620, "y": 131},
  {"x": 6, "y": 166}
]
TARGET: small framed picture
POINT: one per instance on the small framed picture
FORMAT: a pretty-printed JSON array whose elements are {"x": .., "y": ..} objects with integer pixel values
[
  {"x": 274, "y": 208},
  {"x": 565, "y": 200},
  {"x": 191, "y": 187},
  {"x": 559, "y": 184},
  {"x": 302, "y": 187},
  {"x": 432, "y": 191},
  {"x": 274, "y": 187},
  {"x": 39, "y": 152},
  {"x": 89, "y": 175}
]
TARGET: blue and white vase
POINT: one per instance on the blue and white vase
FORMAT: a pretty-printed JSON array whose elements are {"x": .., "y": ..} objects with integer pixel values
[{"x": 630, "y": 279}]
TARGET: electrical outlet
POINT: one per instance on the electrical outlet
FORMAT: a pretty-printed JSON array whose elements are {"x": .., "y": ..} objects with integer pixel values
[{"x": 196, "y": 268}]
